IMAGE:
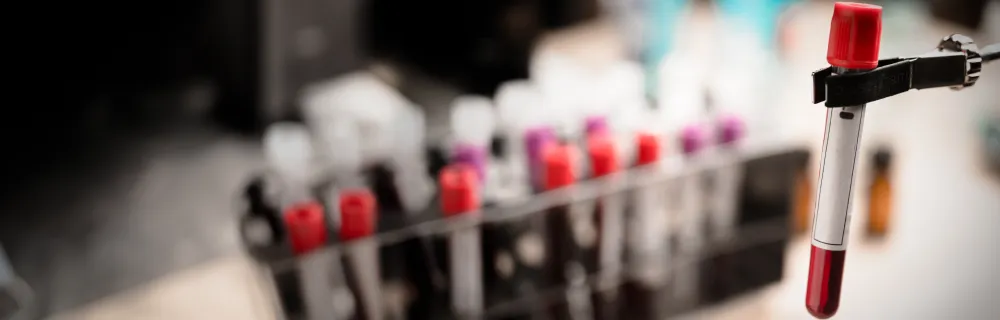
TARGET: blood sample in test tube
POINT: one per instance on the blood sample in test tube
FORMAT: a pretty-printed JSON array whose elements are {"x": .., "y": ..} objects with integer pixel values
[
  {"x": 609, "y": 213},
  {"x": 855, "y": 33},
  {"x": 358, "y": 221},
  {"x": 647, "y": 239},
  {"x": 307, "y": 233},
  {"x": 566, "y": 234},
  {"x": 460, "y": 196}
]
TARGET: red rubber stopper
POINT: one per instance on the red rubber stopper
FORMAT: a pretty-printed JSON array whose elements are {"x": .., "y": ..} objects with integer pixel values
[
  {"x": 459, "y": 189},
  {"x": 358, "y": 214},
  {"x": 306, "y": 230},
  {"x": 558, "y": 161},
  {"x": 855, "y": 34},
  {"x": 603, "y": 159},
  {"x": 648, "y": 149}
]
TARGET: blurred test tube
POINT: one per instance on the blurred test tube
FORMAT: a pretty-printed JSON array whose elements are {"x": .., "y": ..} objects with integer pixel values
[
  {"x": 288, "y": 150},
  {"x": 358, "y": 220},
  {"x": 413, "y": 185},
  {"x": 728, "y": 177},
  {"x": 691, "y": 231},
  {"x": 648, "y": 235},
  {"x": 609, "y": 213},
  {"x": 460, "y": 196},
  {"x": 308, "y": 235}
]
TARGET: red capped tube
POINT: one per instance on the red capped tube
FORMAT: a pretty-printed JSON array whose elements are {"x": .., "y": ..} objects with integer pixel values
[
  {"x": 558, "y": 160},
  {"x": 306, "y": 229},
  {"x": 603, "y": 159},
  {"x": 855, "y": 35},
  {"x": 648, "y": 149},
  {"x": 358, "y": 221},
  {"x": 358, "y": 214},
  {"x": 855, "y": 32},
  {"x": 609, "y": 214},
  {"x": 459, "y": 189}
]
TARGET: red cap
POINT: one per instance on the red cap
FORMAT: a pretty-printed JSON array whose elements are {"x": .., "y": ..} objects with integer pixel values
[
  {"x": 855, "y": 34},
  {"x": 649, "y": 149},
  {"x": 601, "y": 149},
  {"x": 459, "y": 189},
  {"x": 358, "y": 214},
  {"x": 306, "y": 230},
  {"x": 558, "y": 165}
]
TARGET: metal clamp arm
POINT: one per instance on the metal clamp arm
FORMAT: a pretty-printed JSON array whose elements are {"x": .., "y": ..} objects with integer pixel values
[
  {"x": 891, "y": 77},
  {"x": 956, "y": 63}
]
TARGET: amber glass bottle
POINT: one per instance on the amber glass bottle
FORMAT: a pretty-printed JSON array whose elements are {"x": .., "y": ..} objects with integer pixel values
[
  {"x": 880, "y": 196},
  {"x": 802, "y": 201}
]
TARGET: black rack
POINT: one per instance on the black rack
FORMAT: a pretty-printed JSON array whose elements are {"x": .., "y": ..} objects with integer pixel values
[{"x": 750, "y": 259}]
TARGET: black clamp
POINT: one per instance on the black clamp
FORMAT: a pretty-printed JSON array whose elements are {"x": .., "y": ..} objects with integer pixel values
[{"x": 956, "y": 64}]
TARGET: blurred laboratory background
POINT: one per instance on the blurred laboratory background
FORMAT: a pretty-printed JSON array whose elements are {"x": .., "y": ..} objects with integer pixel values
[{"x": 231, "y": 159}]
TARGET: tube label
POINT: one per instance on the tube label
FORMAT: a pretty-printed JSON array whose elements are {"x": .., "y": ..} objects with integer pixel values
[{"x": 832, "y": 215}]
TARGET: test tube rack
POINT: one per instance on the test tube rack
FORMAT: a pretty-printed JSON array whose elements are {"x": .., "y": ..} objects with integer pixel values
[{"x": 411, "y": 247}]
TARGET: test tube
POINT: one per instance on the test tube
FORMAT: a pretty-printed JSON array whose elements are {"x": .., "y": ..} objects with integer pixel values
[
  {"x": 609, "y": 212},
  {"x": 358, "y": 219},
  {"x": 460, "y": 196},
  {"x": 413, "y": 185},
  {"x": 647, "y": 239},
  {"x": 518, "y": 110},
  {"x": 855, "y": 32},
  {"x": 516, "y": 261},
  {"x": 727, "y": 178},
  {"x": 691, "y": 233},
  {"x": 568, "y": 232},
  {"x": 307, "y": 234}
]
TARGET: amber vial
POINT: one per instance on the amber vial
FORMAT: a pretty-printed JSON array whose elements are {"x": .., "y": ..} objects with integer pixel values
[
  {"x": 880, "y": 196},
  {"x": 802, "y": 205}
]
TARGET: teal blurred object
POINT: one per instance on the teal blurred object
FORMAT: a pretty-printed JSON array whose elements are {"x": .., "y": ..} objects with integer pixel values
[
  {"x": 760, "y": 16},
  {"x": 658, "y": 36}
]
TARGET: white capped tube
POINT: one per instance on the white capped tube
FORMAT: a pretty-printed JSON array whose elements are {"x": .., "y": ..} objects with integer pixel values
[
  {"x": 728, "y": 178},
  {"x": 414, "y": 186},
  {"x": 288, "y": 149},
  {"x": 473, "y": 119}
]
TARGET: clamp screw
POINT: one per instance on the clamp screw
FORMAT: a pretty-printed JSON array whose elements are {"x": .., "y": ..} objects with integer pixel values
[{"x": 974, "y": 60}]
